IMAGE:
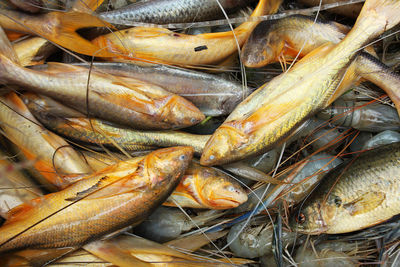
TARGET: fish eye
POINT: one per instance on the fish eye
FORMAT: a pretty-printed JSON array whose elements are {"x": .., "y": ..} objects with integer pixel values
[
  {"x": 231, "y": 189},
  {"x": 301, "y": 218},
  {"x": 193, "y": 120},
  {"x": 182, "y": 157},
  {"x": 212, "y": 157},
  {"x": 338, "y": 201}
]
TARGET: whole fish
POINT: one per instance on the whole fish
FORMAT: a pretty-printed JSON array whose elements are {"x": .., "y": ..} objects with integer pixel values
[
  {"x": 171, "y": 11},
  {"x": 98, "y": 132},
  {"x": 111, "y": 199},
  {"x": 212, "y": 94},
  {"x": 205, "y": 187},
  {"x": 51, "y": 155},
  {"x": 200, "y": 187},
  {"x": 118, "y": 99},
  {"x": 296, "y": 36},
  {"x": 272, "y": 112},
  {"x": 165, "y": 46},
  {"x": 356, "y": 195}
]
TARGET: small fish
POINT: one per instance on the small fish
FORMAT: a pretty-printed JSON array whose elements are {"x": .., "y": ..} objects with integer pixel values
[
  {"x": 272, "y": 112},
  {"x": 98, "y": 132},
  {"x": 200, "y": 187},
  {"x": 165, "y": 46},
  {"x": 205, "y": 187},
  {"x": 51, "y": 155},
  {"x": 354, "y": 196},
  {"x": 296, "y": 36},
  {"x": 212, "y": 94},
  {"x": 101, "y": 203},
  {"x": 171, "y": 11},
  {"x": 117, "y": 99},
  {"x": 362, "y": 115}
]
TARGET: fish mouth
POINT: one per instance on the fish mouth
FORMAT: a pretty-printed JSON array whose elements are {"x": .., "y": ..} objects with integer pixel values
[{"x": 223, "y": 203}]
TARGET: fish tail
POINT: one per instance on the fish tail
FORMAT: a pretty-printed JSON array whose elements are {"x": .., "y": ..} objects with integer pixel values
[{"x": 66, "y": 36}]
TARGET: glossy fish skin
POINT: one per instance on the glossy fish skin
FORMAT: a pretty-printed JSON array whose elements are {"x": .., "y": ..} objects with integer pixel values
[
  {"x": 272, "y": 112},
  {"x": 33, "y": 51},
  {"x": 205, "y": 187},
  {"x": 282, "y": 40},
  {"x": 105, "y": 133},
  {"x": 165, "y": 46},
  {"x": 44, "y": 148},
  {"x": 167, "y": 11},
  {"x": 201, "y": 187},
  {"x": 15, "y": 187},
  {"x": 121, "y": 100},
  {"x": 356, "y": 195},
  {"x": 114, "y": 198},
  {"x": 213, "y": 95}
]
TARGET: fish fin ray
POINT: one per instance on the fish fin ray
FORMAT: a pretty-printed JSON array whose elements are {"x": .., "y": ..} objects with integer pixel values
[{"x": 365, "y": 203}]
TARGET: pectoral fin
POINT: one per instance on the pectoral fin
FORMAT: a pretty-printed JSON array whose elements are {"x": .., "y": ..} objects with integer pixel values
[{"x": 365, "y": 203}]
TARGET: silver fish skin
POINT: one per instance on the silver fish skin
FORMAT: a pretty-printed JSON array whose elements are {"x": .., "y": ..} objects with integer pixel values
[
  {"x": 171, "y": 11},
  {"x": 212, "y": 94}
]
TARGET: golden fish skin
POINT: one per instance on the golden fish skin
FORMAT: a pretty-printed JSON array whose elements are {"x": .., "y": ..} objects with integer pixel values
[
  {"x": 51, "y": 155},
  {"x": 165, "y": 46},
  {"x": 356, "y": 195},
  {"x": 207, "y": 188},
  {"x": 118, "y": 99},
  {"x": 33, "y": 51},
  {"x": 97, "y": 132},
  {"x": 273, "y": 111},
  {"x": 114, "y": 198},
  {"x": 201, "y": 187}
]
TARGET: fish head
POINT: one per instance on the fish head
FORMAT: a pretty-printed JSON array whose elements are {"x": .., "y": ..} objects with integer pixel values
[
  {"x": 223, "y": 146},
  {"x": 180, "y": 112},
  {"x": 262, "y": 48},
  {"x": 164, "y": 164},
  {"x": 220, "y": 191},
  {"x": 309, "y": 219}
]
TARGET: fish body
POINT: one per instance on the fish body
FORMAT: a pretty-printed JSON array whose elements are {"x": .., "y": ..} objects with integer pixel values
[
  {"x": 33, "y": 51},
  {"x": 51, "y": 155},
  {"x": 272, "y": 112},
  {"x": 121, "y": 100},
  {"x": 167, "y": 11},
  {"x": 205, "y": 187},
  {"x": 354, "y": 196},
  {"x": 212, "y": 94},
  {"x": 98, "y": 132},
  {"x": 165, "y": 46},
  {"x": 102, "y": 203}
]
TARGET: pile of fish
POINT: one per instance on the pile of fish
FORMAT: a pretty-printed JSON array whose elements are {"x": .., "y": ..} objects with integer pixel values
[{"x": 187, "y": 133}]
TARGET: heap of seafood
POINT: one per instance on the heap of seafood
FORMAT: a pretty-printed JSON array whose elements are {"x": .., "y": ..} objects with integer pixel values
[{"x": 187, "y": 133}]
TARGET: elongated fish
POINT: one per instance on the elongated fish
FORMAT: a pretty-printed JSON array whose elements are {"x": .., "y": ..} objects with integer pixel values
[
  {"x": 165, "y": 46},
  {"x": 118, "y": 99},
  {"x": 359, "y": 194},
  {"x": 51, "y": 155},
  {"x": 200, "y": 187},
  {"x": 212, "y": 94},
  {"x": 98, "y": 132},
  {"x": 273, "y": 111},
  {"x": 167, "y": 11},
  {"x": 296, "y": 36},
  {"x": 111, "y": 199}
]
